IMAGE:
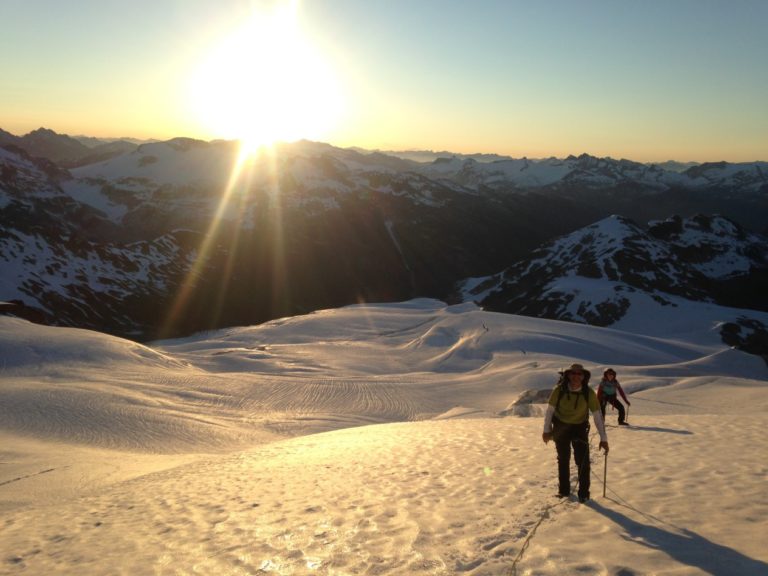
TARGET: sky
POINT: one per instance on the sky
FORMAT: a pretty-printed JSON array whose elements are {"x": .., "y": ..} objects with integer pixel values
[
  {"x": 377, "y": 439},
  {"x": 649, "y": 81}
]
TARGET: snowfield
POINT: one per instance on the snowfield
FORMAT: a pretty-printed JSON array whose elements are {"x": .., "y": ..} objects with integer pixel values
[{"x": 375, "y": 439}]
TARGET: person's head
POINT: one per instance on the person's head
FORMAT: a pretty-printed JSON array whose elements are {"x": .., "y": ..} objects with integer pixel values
[
  {"x": 609, "y": 374},
  {"x": 575, "y": 374}
]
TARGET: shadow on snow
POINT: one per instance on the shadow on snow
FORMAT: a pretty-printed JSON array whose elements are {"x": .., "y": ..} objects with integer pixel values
[
  {"x": 658, "y": 429},
  {"x": 686, "y": 546}
]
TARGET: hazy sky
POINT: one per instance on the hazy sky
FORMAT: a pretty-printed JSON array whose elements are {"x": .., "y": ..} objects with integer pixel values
[{"x": 651, "y": 80}]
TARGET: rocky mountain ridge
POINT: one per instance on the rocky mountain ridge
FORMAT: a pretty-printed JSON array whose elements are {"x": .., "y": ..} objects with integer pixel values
[{"x": 64, "y": 150}]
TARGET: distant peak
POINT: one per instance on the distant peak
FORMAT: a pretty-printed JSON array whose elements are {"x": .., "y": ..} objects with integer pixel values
[
  {"x": 43, "y": 132},
  {"x": 616, "y": 219},
  {"x": 184, "y": 143}
]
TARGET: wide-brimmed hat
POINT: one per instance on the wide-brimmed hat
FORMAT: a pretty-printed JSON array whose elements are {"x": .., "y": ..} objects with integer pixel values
[
  {"x": 576, "y": 367},
  {"x": 610, "y": 371}
]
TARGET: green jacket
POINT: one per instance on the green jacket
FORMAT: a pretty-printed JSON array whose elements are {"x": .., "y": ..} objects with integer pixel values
[{"x": 572, "y": 409}]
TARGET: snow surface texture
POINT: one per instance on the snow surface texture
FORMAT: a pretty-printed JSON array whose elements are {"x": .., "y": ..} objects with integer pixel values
[{"x": 370, "y": 440}]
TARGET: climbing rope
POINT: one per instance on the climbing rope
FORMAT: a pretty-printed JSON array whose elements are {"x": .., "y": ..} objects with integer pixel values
[{"x": 545, "y": 514}]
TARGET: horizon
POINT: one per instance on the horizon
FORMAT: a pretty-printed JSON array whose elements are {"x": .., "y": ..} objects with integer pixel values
[
  {"x": 651, "y": 83},
  {"x": 435, "y": 152}
]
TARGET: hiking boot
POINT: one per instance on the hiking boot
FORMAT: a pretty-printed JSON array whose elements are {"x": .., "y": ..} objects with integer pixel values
[
  {"x": 561, "y": 495},
  {"x": 623, "y": 423},
  {"x": 583, "y": 499}
]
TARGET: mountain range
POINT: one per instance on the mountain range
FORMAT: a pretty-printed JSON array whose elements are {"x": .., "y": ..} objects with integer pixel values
[
  {"x": 67, "y": 151},
  {"x": 166, "y": 238}
]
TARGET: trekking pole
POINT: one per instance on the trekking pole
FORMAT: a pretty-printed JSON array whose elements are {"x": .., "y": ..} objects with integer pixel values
[
  {"x": 605, "y": 472},
  {"x": 627, "y": 418}
]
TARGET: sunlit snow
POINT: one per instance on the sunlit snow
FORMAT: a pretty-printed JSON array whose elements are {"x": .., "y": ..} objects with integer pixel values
[{"x": 374, "y": 439}]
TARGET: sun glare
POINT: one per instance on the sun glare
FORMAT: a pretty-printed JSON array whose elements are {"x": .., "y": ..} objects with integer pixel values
[{"x": 265, "y": 83}]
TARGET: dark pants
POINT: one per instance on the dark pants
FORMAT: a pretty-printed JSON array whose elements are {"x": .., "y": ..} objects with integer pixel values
[
  {"x": 565, "y": 436},
  {"x": 613, "y": 401}
]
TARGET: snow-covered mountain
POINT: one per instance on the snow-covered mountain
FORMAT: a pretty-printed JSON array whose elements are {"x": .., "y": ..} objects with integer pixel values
[
  {"x": 595, "y": 172},
  {"x": 615, "y": 273},
  {"x": 55, "y": 269},
  {"x": 118, "y": 244}
]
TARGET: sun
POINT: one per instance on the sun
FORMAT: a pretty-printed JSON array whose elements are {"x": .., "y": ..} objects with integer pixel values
[{"x": 265, "y": 82}]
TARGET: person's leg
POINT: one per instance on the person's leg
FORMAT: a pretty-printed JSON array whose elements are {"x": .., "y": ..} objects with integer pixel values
[
  {"x": 581, "y": 455},
  {"x": 620, "y": 407},
  {"x": 610, "y": 400},
  {"x": 602, "y": 408},
  {"x": 563, "y": 466}
]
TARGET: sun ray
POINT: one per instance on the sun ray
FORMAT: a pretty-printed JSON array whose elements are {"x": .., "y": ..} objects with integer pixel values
[
  {"x": 239, "y": 189},
  {"x": 204, "y": 251},
  {"x": 280, "y": 281}
]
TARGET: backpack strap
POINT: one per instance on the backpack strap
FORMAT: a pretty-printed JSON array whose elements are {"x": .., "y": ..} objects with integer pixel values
[{"x": 563, "y": 385}]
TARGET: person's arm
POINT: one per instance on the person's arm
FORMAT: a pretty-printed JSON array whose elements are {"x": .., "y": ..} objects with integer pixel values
[
  {"x": 600, "y": 425},
  {"x": 547, "y": 433}
]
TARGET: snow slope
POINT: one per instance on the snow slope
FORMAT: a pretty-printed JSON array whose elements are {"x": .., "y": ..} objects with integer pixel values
[{"x": 370, "y": 440}]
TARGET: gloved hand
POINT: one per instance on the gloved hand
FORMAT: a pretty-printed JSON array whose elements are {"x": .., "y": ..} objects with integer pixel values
[
  {"x": 546, "y": 436},
  {"x": 604, "y": 446}
]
